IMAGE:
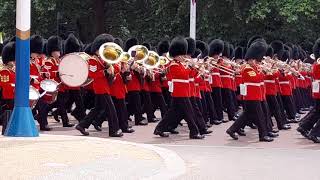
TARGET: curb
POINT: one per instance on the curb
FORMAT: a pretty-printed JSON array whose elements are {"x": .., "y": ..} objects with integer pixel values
[{"x": 175, "y": 165}]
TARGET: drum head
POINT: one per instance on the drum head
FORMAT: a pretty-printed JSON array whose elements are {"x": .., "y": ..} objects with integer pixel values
[
  {"x": 49, "y": 85},
  {"x": 73, "y": 70},
  {"x": 33, "y": 93}
]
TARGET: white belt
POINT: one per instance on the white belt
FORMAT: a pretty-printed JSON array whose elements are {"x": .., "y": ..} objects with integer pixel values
[
  {"x": 226, "y": 76},
  {"x": 34, "y": 77},
  {"x": 196, "y": 84},
  {"x": 191, "y": 79},
  {"x": 13, "y": 85},
  {"x": 252, "y": 84},
  {"x": 238, "y": 76},
  {"x": 317, "y": 81},
  {"x": 207, "y": 79},
  {"x": 180, "y": 80},
  {"x": 262, "y": 83},
  {"x": 269, "y": 81},
  {"x": 284, "y": 82},
  {"x": 215, "y": 74}
]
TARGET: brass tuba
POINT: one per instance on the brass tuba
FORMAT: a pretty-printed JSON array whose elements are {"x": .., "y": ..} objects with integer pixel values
[
  {"x": 139, "y": 53},
  {"x": 152, "y": 61},
  {"x": 110, "y": 52},
  {"x": 164, "y": 61}
]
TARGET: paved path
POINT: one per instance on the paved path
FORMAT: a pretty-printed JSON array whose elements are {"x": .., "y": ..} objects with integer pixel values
[
  {"x": 220, "y": 158},
  {"x": 55, "y": 157}
]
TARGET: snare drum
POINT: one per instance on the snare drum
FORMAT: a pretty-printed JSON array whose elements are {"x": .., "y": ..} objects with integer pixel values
[
  {"x": 34, "y": 96},
  {"x": 50, "y": 87},
  {"x": 74, "y": 69}
]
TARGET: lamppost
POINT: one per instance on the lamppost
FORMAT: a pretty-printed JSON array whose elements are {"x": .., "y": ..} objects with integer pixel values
[{"x": 21, "y": 123}]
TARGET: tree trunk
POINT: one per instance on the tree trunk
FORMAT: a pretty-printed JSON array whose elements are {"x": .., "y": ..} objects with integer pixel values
[{"x": 99, "y": 16}]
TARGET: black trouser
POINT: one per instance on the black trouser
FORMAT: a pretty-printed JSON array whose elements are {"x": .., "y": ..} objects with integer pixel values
[
  {"x": 210, "y": 107},
  {"x": 200, "y": 122},
  {"x": 61, "y": 105},
  {"x": 147, "y": 104},
  {"x": 217, "y": 99},
  {"x": 122, "y": 112},
  {"x": 134, "y": 105},
  {"x": 229, "y": 102},
  {"x": 252, "y": 111},
  {"x": 275, "y": 110},
  {"x": 79, "y": 112},
  {"x": 41, "y": 113},
  {"x": 88, "y": 98},
  {"x": 235, "y": 100},
  {"x": 312, "y": 117},
  {"x": 167, "y": 96},
  {"x": 103, "y": 106},
  {"x": 289, "y": 106},
  {"x": 159, "y": 102},
  {"x": 181, "y": 109},
  {"x": 204, "y": 105},
  {"x": 267, "y": 115}
]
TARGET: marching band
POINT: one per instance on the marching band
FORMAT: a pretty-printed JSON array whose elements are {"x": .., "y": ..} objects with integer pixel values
[{"x": 187, "y": 79}]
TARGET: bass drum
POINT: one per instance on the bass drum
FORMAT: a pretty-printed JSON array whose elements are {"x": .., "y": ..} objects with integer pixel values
[
  {"x": 74, "y": 69},
  {"x": 34, "y": 96}
]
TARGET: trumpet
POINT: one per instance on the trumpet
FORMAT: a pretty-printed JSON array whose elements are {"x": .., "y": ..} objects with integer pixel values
[{"x": 110, "y": 52}]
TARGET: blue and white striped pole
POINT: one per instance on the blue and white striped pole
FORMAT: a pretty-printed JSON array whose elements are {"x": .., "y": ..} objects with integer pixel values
[{"x": 21, "y": 123}]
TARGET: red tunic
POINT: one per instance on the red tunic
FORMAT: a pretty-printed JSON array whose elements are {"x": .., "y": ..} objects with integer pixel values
[
  {"x": 118, "y": 88},
  {"x": 134, "y": 83},
  {"x": 285, "y": 84},
  {"x": 316, "y": 77},
  {"x": 7, "y": 82},
  {"x": 180, "y": 79},
  {"x": 252, "y": 78},
  {"x": 96, "y": 72},
  {"x": 155, "y": 85},
  {"x": 216, "y": 80},
  {"x": 270, "y": 83}
]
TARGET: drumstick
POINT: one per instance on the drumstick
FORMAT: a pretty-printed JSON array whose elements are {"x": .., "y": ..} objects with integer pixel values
[{"x": 66, "y": 75}]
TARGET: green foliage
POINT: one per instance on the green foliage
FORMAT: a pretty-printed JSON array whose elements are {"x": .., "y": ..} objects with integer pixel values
[{"x": 152, "y": 20}]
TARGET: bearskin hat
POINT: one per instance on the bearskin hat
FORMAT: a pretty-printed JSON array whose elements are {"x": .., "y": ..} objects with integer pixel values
[
  {"x": 270, "y": 52},
  {"x": 178, "y": 46},
  {"x": 36, "y": 44},
  {"x": 295, "y": 53},
  {"x": 147, "y": 45},
  {"x": 203, "y": 47},
  {"x": 277, "y": 46},
  {"x": 256, "y": 51},
  {"x": 191, "y": 45},
  {"x": 252, "y": 39},
  {"x": 316, "y": 49},
  {"x": 196, "y": 53},
  {"x": 54, "y": 44},
  {"x": 163, "y": 47},
  {"x": 9, "y": 52},
  {"x": 238, "y": 53},
  {"x": 1, "y": 47},
  {"x": 231, "y": 51},
  {"x": 99, "y": 40},
  {"x": 119, "y": 42},
  {"x": 87, "y": 49},
  {"x": 285, "y": 56},
  {"x": 216, "y": 47},
  {"x": 226, "y": 49},
  {"x": 71, "y": 44},
  {"x": 44, "y": 49},
  {"x": 130, "y": 42}
]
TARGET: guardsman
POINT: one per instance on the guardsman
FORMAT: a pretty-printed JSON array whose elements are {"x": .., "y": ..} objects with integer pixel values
[
  {"x": 215, "y": 51},
  {"x": 134, "y": 83},
  {"x": 7, "y": 81},
  {"x": 227, "y": 84},
  {"x": 181, "y": 107},
  {"x": 101, "y": 73},
  {"x": 310, "y": 124},
  {"x": 54, "y": 48},
  {"x": 252, "y": 93},
  {"x": 41, "y": 109},
  {"x": 72, "y": 45}
]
